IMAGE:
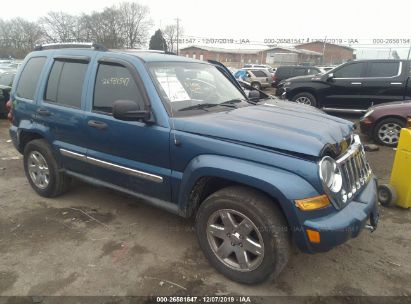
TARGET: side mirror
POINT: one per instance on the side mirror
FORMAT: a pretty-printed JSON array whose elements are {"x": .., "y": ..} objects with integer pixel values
[
  {"x": 129, "y": 110},
  {"x": 254, "y": 95},
  {"x": 329, "y": 76}
]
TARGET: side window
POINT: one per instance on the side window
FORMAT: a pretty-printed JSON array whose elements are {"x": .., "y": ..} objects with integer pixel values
[
  {"x": 258, "y": 73},
  {"x": 383, "y": 69},
  {"x": 352, "y": 70},
  {"x": 114, "y": 82},
  {"x": 313, "y": 71},
  {"x": 30, "y": 77},
  {"x": 65, "y": 83},
  {"x": 299, "y": 71}
]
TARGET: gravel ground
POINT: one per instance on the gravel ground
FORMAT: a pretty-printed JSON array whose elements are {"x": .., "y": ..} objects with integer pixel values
[{"x": 93, "y": 241}]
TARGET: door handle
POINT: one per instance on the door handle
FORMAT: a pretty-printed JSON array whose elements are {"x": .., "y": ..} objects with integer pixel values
[
  {"x": 356, "y": 83},
  {"x": 43, "y": 112},
  {"x": 97, "y": 124}
]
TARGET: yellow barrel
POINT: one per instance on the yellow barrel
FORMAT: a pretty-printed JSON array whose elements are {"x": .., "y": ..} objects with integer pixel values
[{"x": 401, "y": 170}]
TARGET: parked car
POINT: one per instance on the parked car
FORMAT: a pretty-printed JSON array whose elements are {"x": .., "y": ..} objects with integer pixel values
[
  {"x": 260, "y": 66},
  {"x": 353, "y": 86},
  {"x": 258, "y": 78},
  {"x": 182, "y": 135},
  {"x": 289, "y": 71},
  {"x": 6, "y": 81},
  {"x": 383, "y": 122}
]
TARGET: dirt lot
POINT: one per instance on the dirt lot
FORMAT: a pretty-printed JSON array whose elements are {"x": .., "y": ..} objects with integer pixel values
[{"x": 94, "y": 241}]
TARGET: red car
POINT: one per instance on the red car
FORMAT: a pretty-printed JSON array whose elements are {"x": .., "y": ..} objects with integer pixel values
[{"x": 383, "y": 122}]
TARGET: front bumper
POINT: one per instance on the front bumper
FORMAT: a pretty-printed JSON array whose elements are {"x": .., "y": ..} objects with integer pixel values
[{"x": 342, "y": 225}]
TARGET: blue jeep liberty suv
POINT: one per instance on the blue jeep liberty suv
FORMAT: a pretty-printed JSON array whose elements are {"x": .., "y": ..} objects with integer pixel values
[{"x": 257, "y": 174}]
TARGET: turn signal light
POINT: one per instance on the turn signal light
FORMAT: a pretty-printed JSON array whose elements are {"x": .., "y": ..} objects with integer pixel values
[
  {"x": 313, "y": 236},
  {"x": 313, "y": 203}
]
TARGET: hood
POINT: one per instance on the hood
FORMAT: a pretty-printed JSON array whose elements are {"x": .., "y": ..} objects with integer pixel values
[
  {"x": 403, "y": 104},
  {"x": 275, "y": 124}
]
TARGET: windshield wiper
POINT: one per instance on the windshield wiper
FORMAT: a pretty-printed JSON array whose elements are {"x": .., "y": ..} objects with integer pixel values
[
  {"x": 203, "y": 106},
  {"x": 200, "y": 106}
]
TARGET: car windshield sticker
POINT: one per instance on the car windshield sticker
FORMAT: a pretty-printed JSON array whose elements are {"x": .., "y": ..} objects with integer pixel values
[{"x": 173, "y": 88}]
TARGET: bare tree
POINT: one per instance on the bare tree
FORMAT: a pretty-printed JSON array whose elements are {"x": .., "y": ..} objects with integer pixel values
[
  {"x": 59, "y": 26},
  {"x": 170, "y": 35},
  {"x": 135, "y": 23}
]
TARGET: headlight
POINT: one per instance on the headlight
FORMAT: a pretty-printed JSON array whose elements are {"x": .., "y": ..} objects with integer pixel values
[{"x": 330, "y": 174}]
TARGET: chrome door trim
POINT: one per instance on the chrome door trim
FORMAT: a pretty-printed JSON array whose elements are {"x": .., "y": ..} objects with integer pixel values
[
  {"x": 108, "y": 165},
  {"x": 72, "y": 154},
  {"x": 344, "y": 110}
]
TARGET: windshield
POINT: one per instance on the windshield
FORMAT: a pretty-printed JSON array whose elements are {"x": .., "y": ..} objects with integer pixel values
[{"x": 193, "y": 86}]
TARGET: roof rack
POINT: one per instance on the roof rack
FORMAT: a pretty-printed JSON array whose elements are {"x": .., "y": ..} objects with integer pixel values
[{"x": 65, "y": 45}]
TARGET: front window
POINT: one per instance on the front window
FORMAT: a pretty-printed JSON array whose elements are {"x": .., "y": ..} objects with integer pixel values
[{"x": 193, "y": 87}]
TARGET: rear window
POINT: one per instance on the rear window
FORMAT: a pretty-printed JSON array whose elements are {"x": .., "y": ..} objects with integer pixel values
[
  {"x": 65, "y": 83},
  {"x": 382, "y": 69},
  {"x": 30, "y": 77}
]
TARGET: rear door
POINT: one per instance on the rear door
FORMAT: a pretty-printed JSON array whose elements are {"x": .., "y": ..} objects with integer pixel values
[
  {"x": 384, "y": 81},
  {"x": 60, "y": 110},
  {"x": 346, "y": 88},
  {"x": 132, "y": 155}
]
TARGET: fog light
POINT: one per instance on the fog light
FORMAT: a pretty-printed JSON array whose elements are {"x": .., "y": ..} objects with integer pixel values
[{"x": 313, "y": 236}]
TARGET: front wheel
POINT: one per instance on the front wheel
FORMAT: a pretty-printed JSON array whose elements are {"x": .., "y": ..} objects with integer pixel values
[
  {"x": 387, "y": 131},
  {"x": 243, "y": 234},
  {"x": 305, "y": 98}
]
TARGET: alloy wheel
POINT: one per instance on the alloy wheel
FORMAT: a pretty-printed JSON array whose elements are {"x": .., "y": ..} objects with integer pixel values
[
  {"x": 38, "y": 169},
  {"x": 389, "y": 133},
  {"x": 303, "y": 100},
  {"x": 235, "y": 240}
]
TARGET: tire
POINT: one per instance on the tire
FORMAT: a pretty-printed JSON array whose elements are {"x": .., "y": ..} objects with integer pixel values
[
  {"x": 268, "y": 229},
  {"x": 256, "y": 85},
  {"x": 387, "y": 195},
  {"x": 39, "y": 162},
  {"x": 305, "y": 98},
  {"x": 391, "y": 127}
]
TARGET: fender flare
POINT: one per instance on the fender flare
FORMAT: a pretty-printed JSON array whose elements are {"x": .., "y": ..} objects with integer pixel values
[{"x": 282, "y": 185}]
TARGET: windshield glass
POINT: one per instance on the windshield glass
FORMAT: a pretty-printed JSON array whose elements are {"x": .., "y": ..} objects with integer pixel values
[{"x": 193, "y": 86}]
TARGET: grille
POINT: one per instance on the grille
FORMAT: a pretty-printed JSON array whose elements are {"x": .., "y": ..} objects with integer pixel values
[{"x": 355, "y": 170}]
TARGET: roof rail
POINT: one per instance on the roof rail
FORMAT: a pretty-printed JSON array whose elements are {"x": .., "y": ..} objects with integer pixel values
[
  {"x": 64, "y": 45},
  {"x": 143, "y": 51}
]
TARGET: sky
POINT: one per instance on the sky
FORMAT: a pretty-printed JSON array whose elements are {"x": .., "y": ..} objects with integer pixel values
[{"x": 257, "y": 21}]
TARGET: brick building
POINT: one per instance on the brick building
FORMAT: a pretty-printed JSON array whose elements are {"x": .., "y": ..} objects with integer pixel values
[
  {"x": 231, "y": 57},
  {"x": 277, "y": 56},
  {"x": 333, "y": 54}
]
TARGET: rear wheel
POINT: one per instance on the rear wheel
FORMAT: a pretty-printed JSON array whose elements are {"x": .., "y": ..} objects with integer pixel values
[
  {"x": 305, "y": 98},
  {"x": 42, "y": 170},
  {"x": 387, "y": 131},
  {"x": 243, "y": 234}
]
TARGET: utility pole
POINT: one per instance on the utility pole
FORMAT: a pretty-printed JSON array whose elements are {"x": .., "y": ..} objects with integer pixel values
[
  {"x": 325, "y": 41},
  {"x": 178, "y": 30}
]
